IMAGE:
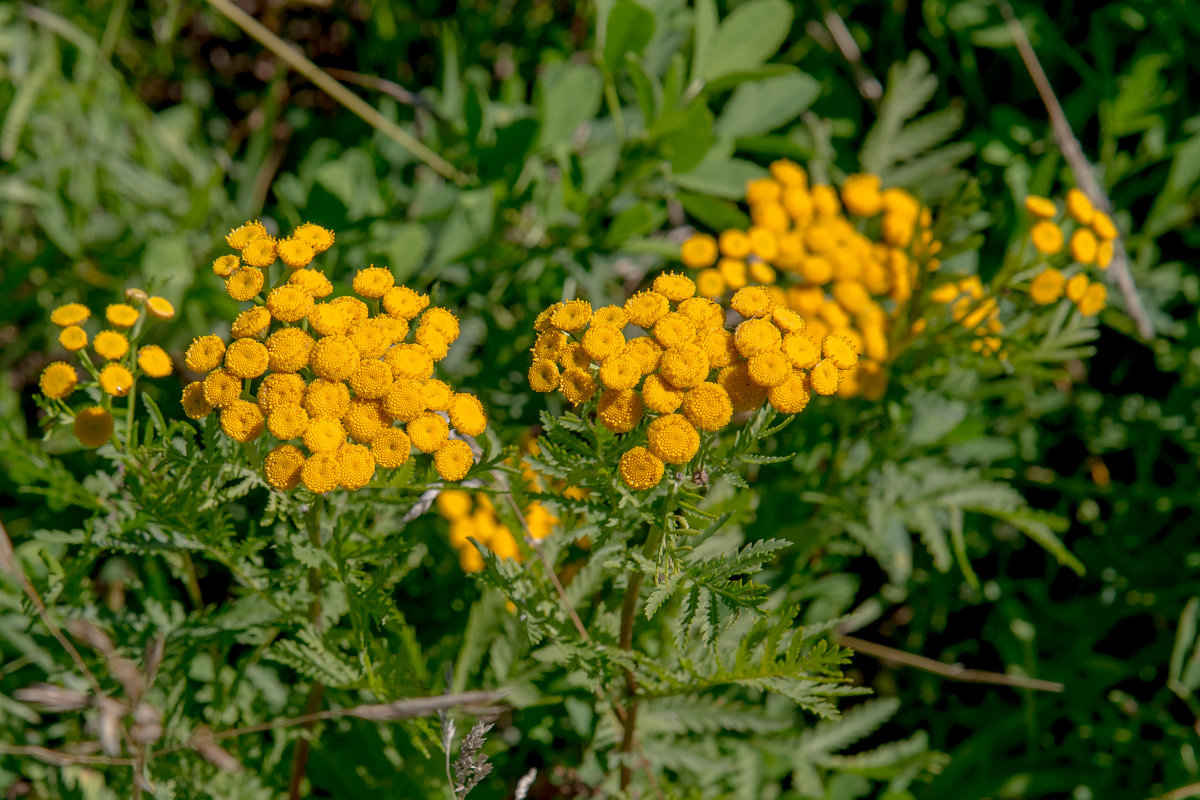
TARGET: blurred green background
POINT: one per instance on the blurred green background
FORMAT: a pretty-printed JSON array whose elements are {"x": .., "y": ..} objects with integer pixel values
[{"x": 135, "y": 134}]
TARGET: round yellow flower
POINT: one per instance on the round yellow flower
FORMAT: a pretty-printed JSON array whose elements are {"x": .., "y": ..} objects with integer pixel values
[
  {"x": 288, "y": 422},
  {"x": 719, "y": 346},
  {"x": 744, "y": 393},
  {"x": 247, "y": 358},
  {"x": 373, "y": 282},
  {"x": 614, "y": 316},
  {"x": 541, "y": 322},
  {"x": 353, "y": 308},
  {"x": 770, "y": 368},
  {"x": 334, "y": 358},
  {"x": 93, "y": 426},
  {"x": 295, "y": 253},
  {"x": 282, "y": 467},
  {"x": 685, "y": 366},
  {"x": 824, "y": 377},
  {"x": 788, "y": 173},
  {"x": 453, "y": 460},
  {"x": 789, "y": 397},
  {"x": 1083, "y": 246},
  {"x": 601, "y": 341},
  {"x": 328, "y": 320},
  {"x": 467, "y": 414},
  {"x": 405, "y": 400},
  {"x": 288, "y": 350},
  {"x": 221, "y": 387},
  {"x": 675, "y": 287},
  {"x": 260, "y": 252},
  {"x": 861, "y": 195},
  {"x": 116, "y": 380},
  {"x": 801, "y": 350},
  {"x": 734, "y": 244},
  {"x": 160, "y": 308},
  {"x": 756, "y": 335},
  {"x": 320, "y": 473},
  {"x": 839, "y": 351},
  {"x": 204, "y": 354},
  {"x": 764, "y": 245},
  {"x": 73, "y": 338},
  {"x": 365, "y": 419},
  {"x": 438, "y": 395},
  {"x": 242, "y": 421},
  {"x": 620, "y": 410},
  {"x": 577, "y": 386},
  {"x": 325, "y": 399},
  {"x": 311, "y": 281},
  {"x": 550, "y": 345},
  {"x": 289, "y": 303},
  {"x": 70, "y": 314},
  {"x": 644, "y": 308},
  {"x": 752, "y": 301},
  {"x": 620, "y": 371},
  {"x": 194, "y": 404},
  {"x": 1040, "y": 207},
  {"x": 640, "y": 469},
  {"x": 318, "y": 238},
  {"x": 404, "y": 303},
  {"x": 1080, "y": 207},
  {"x": 411, "y": 361},
  {"x": 245, "y": 283},
  {"x": 708, "y": 406},
  {"x": 647, "y": 353},
  {"x": 391, "y": 448},
  {"x": 433, "y": 342},
  {"x": 704, "y": 313},
  {"x": 572, "y": 315},
  {"x": 573, "y": 355},
  {"x": 1047, "y": 287},
  {"x": 371, "y": 380},
  {"x": 324, "y": 435},
  {"x": 699, "y": 251},
  {"x": 1104, "y": 254},
  {"x": 251, "y": 322},
  {"x": 395, "y": 328},
  {"x": 110, "y": 345},
  {"x": 674, "y": 329},
  {"x": 660, "y": 396},
  {"x": 154, "y": 361},
  {"x": 58, "y": 380},
  {"x": 673, "y": 439},
  {"x": 428, "y": 431},
  {"x": 1076, "y": 287},
  {"x": 372, "y": 337},
  {"x": 224, "y": 266},
  {"x": 242, "y": 235},
  {"x": 356, "y": 466},
  {"x": 1093, "y": 300},
  {"x": 710, "y": 283},
  {"x": 280, "y": 389},
  {"x": 1104, "y": 227},
  {"x": 787, "y": 321},
  {"x": 543, "y": 375},
  {"x": 454, "y": 504}
]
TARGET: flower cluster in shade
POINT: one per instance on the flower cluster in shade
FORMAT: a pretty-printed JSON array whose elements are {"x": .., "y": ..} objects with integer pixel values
[
  {"x": 846, "y": 260},
  {"x": 345, "y": 384},
  {"x": 1091, "y": 244},
  {"x": 682, "y": 364},
  {"x": 111, "y": 359}
]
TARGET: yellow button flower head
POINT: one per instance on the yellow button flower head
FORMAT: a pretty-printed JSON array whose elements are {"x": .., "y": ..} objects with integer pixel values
[
  {"x": 672, "y": 439},
  {"x": 365, "y": 419},
  {"x": 550, "y": 345},
  {"x": 1094, "y": 300},
  {"x": 839, "y": 351},
  {"x": 242, "y": 235},
  {"x": 73, "y": 338},
  {"x": 620, "y": 410},
  {"x": 194, "y": 404},
  {"x": 700, "y": 250},
  {"x": 614, "y": 316},
  {"x": 224, "y": 266},
  {"x": 719, "y": 346},
  {"x": 311, "y": 281},
  {"x": 405, "y": 400},
  {"x": 282, "y": 467},
  {"x": 288, "y": 349},
  {"x": 763, "y": 243},
  {"x": 852, "y": 296},
  {"x": 110, "y": 345},
  {"x": 328, "y": 319},
  {"x": 288, "y": 422},
  {"x": 320, "y": 473},
  {"x": 756, "y": 335},
  {"x": 160, "y": 308},
  {"x": 763, "y": 190},
  {"x": 221, "y": 388},
  {"x": 789, "y": 397},
  {"x": 324, "y": 435},
  {"x": 251, "y": 322},
  {"x": 572, "y": 315},
  {"x": 373, "y": 282},
  {"x": 154, "y": 361},
  {"x": 684, "y": 366},
  {"x": 704, "y": 313},
  {"x": 752, "y": 301},
  {"x": 577, "y": 386},
  {"x": 1104, "y": 255},
  {"x": 280, "y": 389},
  {"x": 246, "y": 358},
  {"x": 289, "y": 303},
  {"x": 816, "y": 270},
  {"x": 404, "y": 303},
  {"x": 825, "y": 201},
  {"x": 245, "y": 283},
  {"x": 761, "y": 273},
  {"x": 708, "y": 407},
  {"x": 543, "y": 375},
  {"x": 674, "y": 329},
  {"x": 325, "y": 399},
  {"x": 295, "y": 253},
  {"x": 1047, "y": 287},
  {"x": 352, "y": 307},
  {"x": 410, "y": 361},
  {"x": 710, "y": 283},
  {"x": 1040, "y": 207},
  {"x": 1083, "y": 246},
  {"x": 640, "y": 469},
  {"x": 93, "y": 426},
  {"x": 453, "y": 460},
  {"x": 428, "y": 431},
  {"x": 395, "y": 328},
  {"x": 787, "y": 321},
  {"x": 58, "y": 380},
  {"x": 861, "y": 195},
  {"x": 770, "y": 368},
  {"x": 601, "y": 341},
  {"x": 116, "y": 380},
  {"x": 260, "y": 252},
  {"x": 356, "y": 467},
  {"x": 660, "y": 396},
  {"x": 371, "y": 380},
  {"x": 391, "y": 448},
  {"x": 734, "y": 244},
  {"x": 825, "y": 377},
  {"x": 1080, "y": 207},
  {"x": 318, "y": 238},
  {"x": 433, "y": 342},
  {"x": 371, "y": 337},
  {"x": 573, "y": 355},
  {"x": 647, "y": 353},
  {"x": 467, "y": 414},
  {"x": 675, "y": 287},
  {"x": 620, "y": 371},
  {"x": 744, "y": 393},
  {"x": 1076, "y": 287},
  {"x": 644, "y": 308},
  {"x": 70, "y": 314},
  {"x": 334, "y": 358},
  {"x": 242, "y": 421},
  {"x": 1103, "y": 225}
]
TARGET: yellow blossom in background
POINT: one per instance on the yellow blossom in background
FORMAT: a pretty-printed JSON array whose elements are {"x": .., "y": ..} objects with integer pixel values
[
  {"x": 110, "y": 345},
  {"x": 70, "y": 314},
  {"x": 93, "y": 426},
  {"x": 160, "y": 308},
  {"x": 116, "y": 380},
  {"x": 73, "y": 338},
  {"x": 154, "y": 361},
  {"x": 58, "y": 380},
  {"x": 1046, "y": 237}
]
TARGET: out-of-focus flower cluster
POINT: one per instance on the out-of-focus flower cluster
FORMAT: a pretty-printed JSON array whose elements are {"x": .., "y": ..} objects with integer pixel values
[
  {"x": 1091, "y": 243},
  {"x": 655, "y": 357},
  {"x": 345, "y": 384}
]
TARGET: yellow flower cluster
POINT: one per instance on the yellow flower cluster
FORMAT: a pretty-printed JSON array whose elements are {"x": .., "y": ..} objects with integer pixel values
[
  {"x": 339, "y": 377},
  {"x": 846, "y": 261},
  {"x": 975, "y": 310},
  {"x": 120, "y": 363},
  {"x": 1092, "y": 242},
  {"x": 667, "y": 369}
]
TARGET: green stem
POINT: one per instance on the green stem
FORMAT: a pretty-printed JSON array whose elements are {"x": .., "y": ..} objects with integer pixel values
[
  {"x": 130, "y": 403},
  {"x": 193, "y": 583},
  {"x": 312, "y": 524}
]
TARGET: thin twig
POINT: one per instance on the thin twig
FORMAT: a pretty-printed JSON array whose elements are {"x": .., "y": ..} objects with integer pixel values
[
  {"x": 868, "y": 85},
  {"x": 390, "y": 88},
  {"x": 1085, "y": 176},
  {"x": 60, "y": 758},
  {"x": 1182, "y": 793},
  {"x": 954, "y": 672},
  {"x": 355, "y": 104}
]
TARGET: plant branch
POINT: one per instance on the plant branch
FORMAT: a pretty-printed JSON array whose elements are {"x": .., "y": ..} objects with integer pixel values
[{"x": 312, "y": 524}]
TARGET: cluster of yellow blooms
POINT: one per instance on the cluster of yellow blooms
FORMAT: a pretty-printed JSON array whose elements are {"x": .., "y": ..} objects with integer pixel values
[
  {"x": 769, "y": 356},
  {"x": 334, "y": 376},
  {"x": 810, "y": 245},
  {"x": 1091, "y": 243},
  {"x": 121, "y": 361}
]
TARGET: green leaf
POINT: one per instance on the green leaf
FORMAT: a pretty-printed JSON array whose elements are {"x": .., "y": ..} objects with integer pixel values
[
  {"x": 765, "y": 105},
  {"x": 634, "y": 221},
  {"x": 748, "y": 37},
  {"x": 1169, "y": 207},
  {"x": 686, "y": 135},
  {"x": 469, "y": 223},
  {"x": 627, "y": 30},
  {"x": 726, "y": 178},
  {"x": 403, "y": 246},
  {"x": 714, "y": 214},
  {"x": 567, "y": 97}
]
